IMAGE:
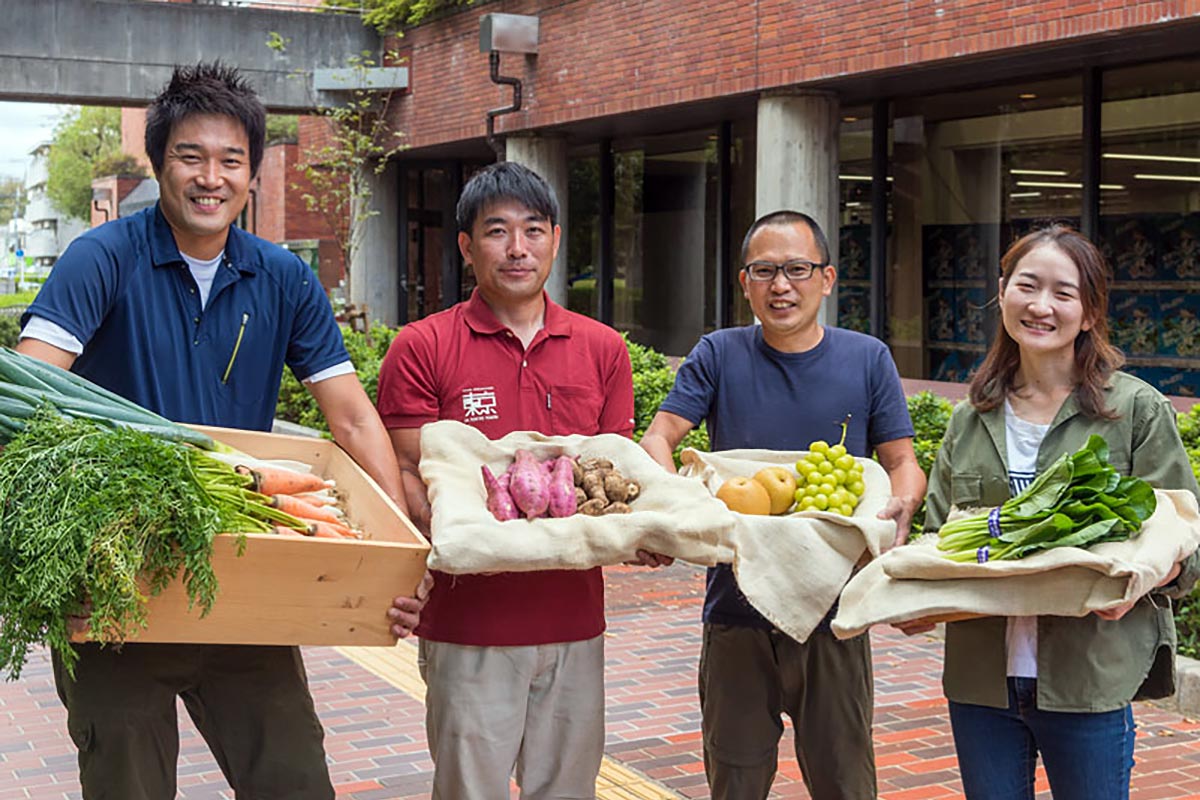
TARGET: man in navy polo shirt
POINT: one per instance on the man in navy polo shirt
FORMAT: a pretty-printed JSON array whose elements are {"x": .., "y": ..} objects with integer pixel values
[
  {"x": 782, "y": 385},
  {"x": 513, "y": 662},
  {"x": 185, "y": 314}
]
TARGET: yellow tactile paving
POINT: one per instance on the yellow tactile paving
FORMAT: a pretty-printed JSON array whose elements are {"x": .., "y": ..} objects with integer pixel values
[{"x": 398, "y": 666}]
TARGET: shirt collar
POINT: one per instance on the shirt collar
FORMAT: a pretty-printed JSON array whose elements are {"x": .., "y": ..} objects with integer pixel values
[
  {"x": 165, "y": 252},
  {"x": 481, "y": 319}
]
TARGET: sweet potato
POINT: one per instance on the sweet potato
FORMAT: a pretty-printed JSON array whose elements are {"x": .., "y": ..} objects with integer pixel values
[
  {"x": 562, "y": 488},
  {"x": 499, "y": 501},
  {"x": 529, "y": 485}
]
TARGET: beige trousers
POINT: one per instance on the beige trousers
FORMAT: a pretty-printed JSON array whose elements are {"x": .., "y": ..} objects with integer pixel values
[{"x": 538, "y": 710}]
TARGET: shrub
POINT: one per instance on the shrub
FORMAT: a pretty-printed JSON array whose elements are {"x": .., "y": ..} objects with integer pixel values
[{"x": 366, "y": 350}]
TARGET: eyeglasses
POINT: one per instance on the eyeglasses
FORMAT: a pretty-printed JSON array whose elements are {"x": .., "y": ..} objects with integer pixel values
[{"x": 765, "y": 271}]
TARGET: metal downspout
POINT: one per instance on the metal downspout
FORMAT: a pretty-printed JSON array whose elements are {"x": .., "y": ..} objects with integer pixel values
[{"x": 494, "y": 61}]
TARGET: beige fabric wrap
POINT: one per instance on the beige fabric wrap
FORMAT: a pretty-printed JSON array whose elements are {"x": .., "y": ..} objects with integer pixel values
[
  {"x": 916, "y": 582},
  {"x": 673, "y": 516},
  {"x": 792, "y": 567}
]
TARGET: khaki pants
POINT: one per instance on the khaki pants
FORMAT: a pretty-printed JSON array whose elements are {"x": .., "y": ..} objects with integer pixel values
[
  {"x": 251, "y": 704},
  {"x": 750, "y": 677},
  {"x": 538, "y": 709}
]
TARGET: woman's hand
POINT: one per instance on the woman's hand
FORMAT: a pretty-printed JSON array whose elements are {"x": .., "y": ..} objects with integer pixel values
[{"x": 1115, "y": 614}]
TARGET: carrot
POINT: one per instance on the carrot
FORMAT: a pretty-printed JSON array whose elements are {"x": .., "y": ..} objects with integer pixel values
[
  {"x": 328, "y": 530},
  {"x": 289, "y": 504},
  {"x": 274, "y": 480},
  {"x": 282, "y": 531},
  {"x": 317, "y": 499}
]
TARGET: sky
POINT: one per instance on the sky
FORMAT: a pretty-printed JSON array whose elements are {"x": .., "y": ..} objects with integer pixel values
[{"x": 23, "y": 126}]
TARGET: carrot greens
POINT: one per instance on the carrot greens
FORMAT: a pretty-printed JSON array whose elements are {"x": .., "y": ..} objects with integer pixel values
[{"x": 94, "y": 519}]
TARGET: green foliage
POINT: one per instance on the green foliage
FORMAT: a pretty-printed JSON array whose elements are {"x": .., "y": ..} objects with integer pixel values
[
  {"x": 12, "y": 199},
  {"x": 10, "y": 331},
  {"x": 296, "y": 403},
  {"x": 91, "y": 538},
  {"x": 84, "y": 139},
  {"x": 283, "y": 128},
  {"x": 389, "y": 16},
  {"x": 930, "y": 415},
  {"x": 17, "y": 299}
]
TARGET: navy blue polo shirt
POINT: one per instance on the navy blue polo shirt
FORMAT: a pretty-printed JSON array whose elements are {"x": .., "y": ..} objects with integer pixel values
[
  {"x": 125, "y": 292},
  {"x": 753, "y": 396}
]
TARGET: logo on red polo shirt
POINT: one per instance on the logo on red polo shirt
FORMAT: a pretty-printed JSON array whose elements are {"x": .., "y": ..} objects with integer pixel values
[{"x": 479, "y": 404}]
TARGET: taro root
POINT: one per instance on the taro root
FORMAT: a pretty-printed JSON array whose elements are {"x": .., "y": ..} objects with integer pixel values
[{"x": 593, "y": 508}]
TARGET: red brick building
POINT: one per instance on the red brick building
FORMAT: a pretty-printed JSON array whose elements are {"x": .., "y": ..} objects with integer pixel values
[{"x": 925, "y": 133}]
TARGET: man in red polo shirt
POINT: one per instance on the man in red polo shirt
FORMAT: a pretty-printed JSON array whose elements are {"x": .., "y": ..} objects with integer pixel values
[{"x": 513, "y": 662}]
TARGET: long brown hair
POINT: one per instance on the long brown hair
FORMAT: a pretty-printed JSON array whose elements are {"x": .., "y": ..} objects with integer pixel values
[{"x": 1095, "y": 357}]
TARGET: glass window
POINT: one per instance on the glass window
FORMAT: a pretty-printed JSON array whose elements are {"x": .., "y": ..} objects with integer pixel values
[
  {"x": 854, "y": 218},
  {"x": 1150, "y": 219},
  {"x": 665, "y": 240},
  {"x": 971, "y": 172},
  {"x": 583, "y": 235}
]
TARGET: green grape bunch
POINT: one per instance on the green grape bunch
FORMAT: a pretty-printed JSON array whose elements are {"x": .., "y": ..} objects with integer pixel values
[{"x": 830, "y": 479}]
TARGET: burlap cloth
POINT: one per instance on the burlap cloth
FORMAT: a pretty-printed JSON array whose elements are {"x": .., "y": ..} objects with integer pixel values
[
  {"x": 792, "y": 568},
  {"x": 916, "y": 582},
  {"x": 673, "y": 516}
]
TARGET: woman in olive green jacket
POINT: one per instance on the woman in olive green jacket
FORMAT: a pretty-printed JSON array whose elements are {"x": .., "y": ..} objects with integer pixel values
[{"x": 1060, "y": 686}]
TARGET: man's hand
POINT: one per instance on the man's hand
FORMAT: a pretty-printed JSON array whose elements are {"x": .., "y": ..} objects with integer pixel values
[
  {"x": 405, "y": 612},
  {"x": 900, "y": 510},
  {"x": 914, "y": 626},
  {"x": 647, "y": 559}
]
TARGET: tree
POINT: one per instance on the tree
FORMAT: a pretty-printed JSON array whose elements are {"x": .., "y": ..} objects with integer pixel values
[
  {"x": 388, "y": 16},
  {"x": 12, "y": 199},
  {"x": 83, "y": 138},
  {"x": 338, "y": 171}
]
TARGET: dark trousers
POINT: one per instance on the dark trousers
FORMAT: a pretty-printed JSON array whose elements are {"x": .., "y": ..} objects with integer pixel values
[
  {"x": 1088, "y": 756},
  {"x": 750, "y": 677},
  {"x": 251, "y": 704}
]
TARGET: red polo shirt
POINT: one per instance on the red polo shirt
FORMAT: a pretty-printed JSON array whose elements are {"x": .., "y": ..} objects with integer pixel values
[{"x": 463, "y": 364}]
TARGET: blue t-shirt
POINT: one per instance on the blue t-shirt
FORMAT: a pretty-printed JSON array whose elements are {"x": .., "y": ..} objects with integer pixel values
[
  {"x": 753, "y": 396},
  {"x": 125, "y": 292}
]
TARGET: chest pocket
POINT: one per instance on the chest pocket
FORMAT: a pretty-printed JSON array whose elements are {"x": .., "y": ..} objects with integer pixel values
[
  {"x": 575, "y": 409},
  {"x": 966, "y": 489}
]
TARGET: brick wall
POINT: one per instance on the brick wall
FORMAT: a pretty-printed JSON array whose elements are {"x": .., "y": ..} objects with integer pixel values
[
  {"x": 603, "y": 57},
  {"x": 281, "y": 213}
]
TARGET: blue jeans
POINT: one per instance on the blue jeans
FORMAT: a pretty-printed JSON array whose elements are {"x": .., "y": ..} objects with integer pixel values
[{"x": 1088, "y": 756}]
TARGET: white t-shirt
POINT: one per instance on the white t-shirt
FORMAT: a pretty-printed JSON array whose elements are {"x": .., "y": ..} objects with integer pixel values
[
  {"x": 203, "y": 272},
  {"x": 1023, "y": 440}
]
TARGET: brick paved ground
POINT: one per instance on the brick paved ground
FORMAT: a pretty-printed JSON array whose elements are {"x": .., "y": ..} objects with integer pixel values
[{"x": 376, "y": 746}]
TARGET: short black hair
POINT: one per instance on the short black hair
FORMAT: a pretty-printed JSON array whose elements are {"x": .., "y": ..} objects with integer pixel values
[
  {"x": 505, "y": 180},
  {"x": 205, "y": 89},
  {"x": 786, "y": 217}
]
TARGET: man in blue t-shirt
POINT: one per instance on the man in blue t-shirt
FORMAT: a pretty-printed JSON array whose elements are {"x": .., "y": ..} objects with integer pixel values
[
  {"x": 185, "y": 314},
  {"x": 780, "y": 386}
]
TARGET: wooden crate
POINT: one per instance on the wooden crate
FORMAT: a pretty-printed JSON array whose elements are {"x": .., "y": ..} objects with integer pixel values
[{"x": 285, "y": 590}]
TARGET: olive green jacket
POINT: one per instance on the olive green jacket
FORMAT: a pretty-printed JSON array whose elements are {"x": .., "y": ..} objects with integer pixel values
[{"x": 1084, "y": 664}]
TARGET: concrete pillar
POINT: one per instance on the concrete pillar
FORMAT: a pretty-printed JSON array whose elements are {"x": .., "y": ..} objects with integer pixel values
[
  {"x": 797, "y": 163},
  {"x": 547, "y": 156},
  {"x": 375, "y": 262}
]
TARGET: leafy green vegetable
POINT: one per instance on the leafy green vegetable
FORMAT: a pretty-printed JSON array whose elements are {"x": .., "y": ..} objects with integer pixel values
[
  {"x": 94, "y": 519},
  {"x": 1078, "y": 501}
]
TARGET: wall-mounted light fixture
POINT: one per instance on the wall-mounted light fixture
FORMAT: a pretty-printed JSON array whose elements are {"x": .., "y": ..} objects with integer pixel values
[{"x": 506, "y": 33}]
